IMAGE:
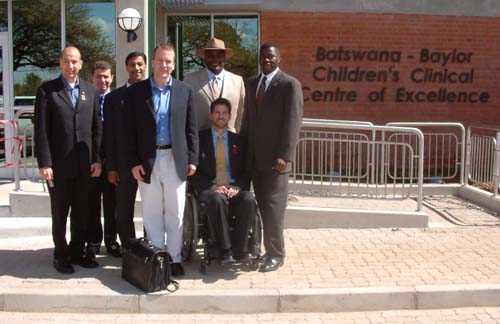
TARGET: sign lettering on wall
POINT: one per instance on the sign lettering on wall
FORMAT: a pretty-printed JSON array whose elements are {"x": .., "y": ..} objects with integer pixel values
[{"x": 434, "y": 76}]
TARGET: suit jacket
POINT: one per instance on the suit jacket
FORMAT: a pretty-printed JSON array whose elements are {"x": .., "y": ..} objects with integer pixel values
[
  {"x": 206, "y": 171},
  {"x": 113, "y": 130},
  {"x": 233, "y": 90},
  {"x": 141, "y": 129},
  {"x": 66, "y": 139},
  {"x": 272, "y": 129}
]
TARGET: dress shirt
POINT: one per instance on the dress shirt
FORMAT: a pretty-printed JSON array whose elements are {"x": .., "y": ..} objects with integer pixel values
[
  {"x": 161, "y": 99},
  {"x": 220, "y": 78},
  {"x": 269, "y": 78},
  {"x": 73, "y": 90},
  {"x": 227, "y": 151}
]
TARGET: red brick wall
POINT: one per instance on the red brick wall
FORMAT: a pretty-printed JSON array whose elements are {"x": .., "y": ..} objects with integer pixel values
[{"x": 405, "y": 36}]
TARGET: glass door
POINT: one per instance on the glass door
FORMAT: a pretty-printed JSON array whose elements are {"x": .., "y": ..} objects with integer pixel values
[{"x": 6, "y": 114}]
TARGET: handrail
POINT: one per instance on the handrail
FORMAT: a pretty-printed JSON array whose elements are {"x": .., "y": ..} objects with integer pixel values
[
  {"x": 382, "y": 130},
  {"x": 460, "y": 126}
]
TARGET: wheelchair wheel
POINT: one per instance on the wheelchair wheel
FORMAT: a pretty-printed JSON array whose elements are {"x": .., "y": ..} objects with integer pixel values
[{"x": 190, "y": 235}]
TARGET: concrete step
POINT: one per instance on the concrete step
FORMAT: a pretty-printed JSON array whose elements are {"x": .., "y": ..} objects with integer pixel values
[
  {"x": 250, "y": 301},
  {"x": 35, "y": 204},
  {"x": 478, "y": 315}
]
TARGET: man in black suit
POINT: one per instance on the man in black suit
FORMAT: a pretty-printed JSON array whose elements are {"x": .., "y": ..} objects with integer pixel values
[
  {"x": 118, "y": 171},
  {"x": 220, "y": 181},
  {"x": 102, "y": 77},
  {"x": 163, "y": 150},
  {"x": 271, "y": 124},
  {"x": 67, "y": 142}
]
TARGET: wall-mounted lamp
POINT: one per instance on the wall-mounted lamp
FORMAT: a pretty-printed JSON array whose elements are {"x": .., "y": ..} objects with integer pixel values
[{"x": 129, "y": 20}]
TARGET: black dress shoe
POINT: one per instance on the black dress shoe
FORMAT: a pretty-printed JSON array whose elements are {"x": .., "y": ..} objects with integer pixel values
[
  {"x": 227, "y": 257},
  {"x": 114, "y": 249},
  {"x": 246, "y": 257},
  {"x": 271, "y": 264},
  {"x": 177, "y": 269},
  {"x": 63, "y": 266},
  {"x": 93, "y": 249},
  {"x": 85, "y": 262}
]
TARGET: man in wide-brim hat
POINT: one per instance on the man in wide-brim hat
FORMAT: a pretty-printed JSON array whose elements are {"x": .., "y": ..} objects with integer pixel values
[{"x": 214, "y": 81}]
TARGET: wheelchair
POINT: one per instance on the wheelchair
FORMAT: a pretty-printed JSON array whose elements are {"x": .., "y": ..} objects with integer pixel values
[{"x": 196, "y": 233}]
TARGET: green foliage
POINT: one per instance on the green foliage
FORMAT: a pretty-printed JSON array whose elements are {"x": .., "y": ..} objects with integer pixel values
[
  {"x": 195, "y": 32},
  {"x": 37, "y": 35},
  {"x": 29, "y": 86}
]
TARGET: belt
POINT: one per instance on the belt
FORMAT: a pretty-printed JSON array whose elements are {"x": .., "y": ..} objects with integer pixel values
[{"x": 163, "y": 147}]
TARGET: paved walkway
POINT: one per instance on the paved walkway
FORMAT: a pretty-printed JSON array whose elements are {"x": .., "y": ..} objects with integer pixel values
[
  {"x": 449, "y": 257},
  {"x": 447, "y": 316}
]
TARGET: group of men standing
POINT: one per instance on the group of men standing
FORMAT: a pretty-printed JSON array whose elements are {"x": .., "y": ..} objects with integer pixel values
[{"x": 155, "y": 133}]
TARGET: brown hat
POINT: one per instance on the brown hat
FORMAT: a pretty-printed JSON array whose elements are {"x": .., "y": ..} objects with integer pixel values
[{"x": 215, "y": 44}]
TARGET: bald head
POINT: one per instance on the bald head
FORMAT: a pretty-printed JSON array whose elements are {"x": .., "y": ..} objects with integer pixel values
[{"x": 70, "y": 63}]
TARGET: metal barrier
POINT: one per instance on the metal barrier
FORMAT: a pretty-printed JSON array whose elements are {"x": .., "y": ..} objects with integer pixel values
[
  {"x": 483, "y": 156},
  {"x": 444, "y": 152},
  {"x": 355, "y": 160}
]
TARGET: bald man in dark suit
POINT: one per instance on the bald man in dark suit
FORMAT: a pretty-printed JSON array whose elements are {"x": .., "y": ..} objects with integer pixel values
[
  {"x": 68, "y": 134},
  {"x": 271, "y": 124}
]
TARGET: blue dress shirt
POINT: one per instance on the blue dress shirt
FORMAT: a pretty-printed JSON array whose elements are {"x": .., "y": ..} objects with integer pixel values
[{"x": 161, "y": 100}]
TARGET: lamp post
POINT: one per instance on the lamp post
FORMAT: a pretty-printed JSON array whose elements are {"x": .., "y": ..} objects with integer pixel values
[{"x": 129, "y": 20}]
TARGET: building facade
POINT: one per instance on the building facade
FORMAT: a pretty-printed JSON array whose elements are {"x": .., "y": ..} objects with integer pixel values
[{"x": 377, "y": 61}]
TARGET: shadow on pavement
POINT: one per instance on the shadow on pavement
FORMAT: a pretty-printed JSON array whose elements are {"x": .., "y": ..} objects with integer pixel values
[{"x": 34, "y": 269}]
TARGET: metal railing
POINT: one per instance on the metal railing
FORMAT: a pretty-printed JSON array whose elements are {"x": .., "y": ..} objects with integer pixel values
[
  {"x": 483, "y": 156},
  {"x": 356, "y": 160},
  {"x": 444, "y": 148}
]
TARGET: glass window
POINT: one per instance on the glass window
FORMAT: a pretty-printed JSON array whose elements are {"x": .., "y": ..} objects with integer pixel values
[
  {"x": 4, "y": 25},
  {"x": 188, "y": 33},
  {"x": 90, "y": 25},
  {"x": 239, "y": 32},
  {"x": 36, "y": 43}
]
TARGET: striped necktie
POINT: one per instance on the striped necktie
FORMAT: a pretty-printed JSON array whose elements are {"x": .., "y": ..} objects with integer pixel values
[{"x": 101, "y": 105}]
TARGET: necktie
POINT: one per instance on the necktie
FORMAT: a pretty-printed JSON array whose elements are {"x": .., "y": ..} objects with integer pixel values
[
  {"x": 262, "y": 89},
  {"x": 101, "y": 104},
  {"x": 220, "y": 162},
  {"x": 74, "y": 96},
  {"x": 216, "y": 86}
]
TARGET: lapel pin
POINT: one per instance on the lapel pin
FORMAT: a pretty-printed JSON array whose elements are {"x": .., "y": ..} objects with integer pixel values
[{"x": 83, "y": 95}]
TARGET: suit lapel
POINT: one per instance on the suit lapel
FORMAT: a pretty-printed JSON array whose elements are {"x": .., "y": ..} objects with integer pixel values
[
  {"x": 231, "y": 143},
  {"x": 63, "y": 94},
  {"x": 149, "y": 98},
  {"x": 210, "y": 152},
  {"x": 205, "y": 85}
]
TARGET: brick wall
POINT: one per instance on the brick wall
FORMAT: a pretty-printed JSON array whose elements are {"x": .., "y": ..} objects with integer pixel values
[{"x": 390, "y": 50}]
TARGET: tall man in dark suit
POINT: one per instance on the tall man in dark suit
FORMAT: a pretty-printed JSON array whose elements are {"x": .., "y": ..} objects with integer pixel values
[
  {"x": 271, "y": 124},
  {"x": 222, "y": 185},
  {"x": 118, "y": 171},
  {"x": 102, "y": 77},
  {"x": 163, "y": 150},
  {"x": 67, "y": 140}
]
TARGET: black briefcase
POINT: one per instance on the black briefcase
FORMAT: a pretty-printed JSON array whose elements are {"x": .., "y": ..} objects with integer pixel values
[{"x": 147, "y": 267}]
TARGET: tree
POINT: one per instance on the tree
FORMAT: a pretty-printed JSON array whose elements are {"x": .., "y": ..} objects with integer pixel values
[
  {"x": 195, "y": 35},
  {"x": 29, "y": 86},
  {"x": 37, "y": 35}
]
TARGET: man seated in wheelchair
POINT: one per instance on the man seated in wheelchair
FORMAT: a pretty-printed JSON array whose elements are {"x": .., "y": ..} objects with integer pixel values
[{"x": 219, "y": 182}]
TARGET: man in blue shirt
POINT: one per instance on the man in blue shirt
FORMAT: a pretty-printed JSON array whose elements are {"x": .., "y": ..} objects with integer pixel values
[
  {"x": 220, "y": 182},
  {"x": 162, "y": 150}
]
